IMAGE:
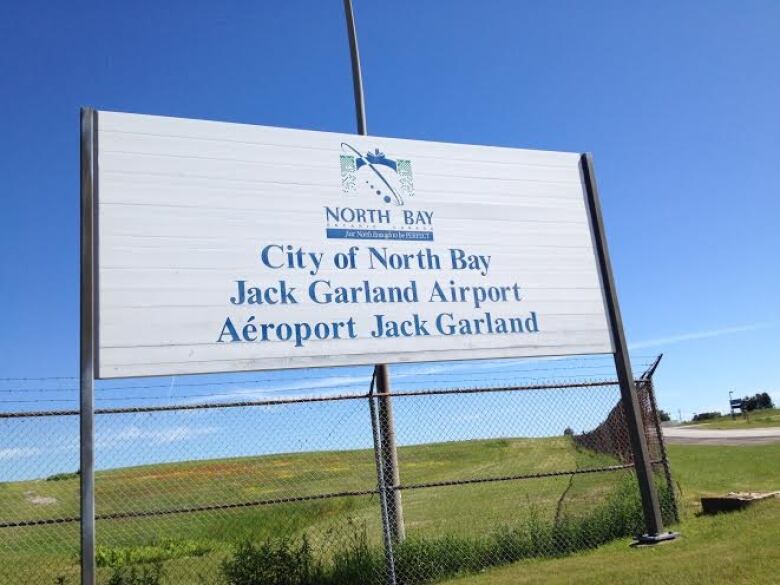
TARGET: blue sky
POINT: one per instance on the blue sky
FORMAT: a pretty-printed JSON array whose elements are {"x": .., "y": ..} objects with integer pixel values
[{"x": 677, "y": 101}]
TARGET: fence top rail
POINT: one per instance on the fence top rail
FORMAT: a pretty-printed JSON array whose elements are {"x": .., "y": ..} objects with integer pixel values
[
  {"x": 489, "y": 389},
  {"x": 312, "y": 399}
]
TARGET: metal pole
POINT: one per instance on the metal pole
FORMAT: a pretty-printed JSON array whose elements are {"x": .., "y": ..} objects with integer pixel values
[
  {"x": 357, "y": 76},
  {"x": 647, "y": 380},
  {"x": 391, "y": 474},
  {"x": 662, "y": 445},
  {"x": 387, "y": 536},
  {"x": 89, "y": 122},
  {"x": 382, "y": 421},
  {"x": 648, "y": 373},
  {"x": 644, "y": 471}
]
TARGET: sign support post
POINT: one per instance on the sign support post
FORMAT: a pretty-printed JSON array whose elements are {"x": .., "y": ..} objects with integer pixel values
[
  {"x": 381, "y": 373},
  {"x": 654, "y": 529},
  {"x": 389, "y": 451},
  {"x": 357, "y": 75},
  {"x": 387, "y": 536},
  {"x": 87, "y": 344}
]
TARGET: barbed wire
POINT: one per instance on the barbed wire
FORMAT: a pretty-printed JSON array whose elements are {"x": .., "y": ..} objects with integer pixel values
[
  {"x": 302, "y": 391},
  {"x": 402, "y": 380},
  {"x": 557, "y": 384},
  {"x": 398, "y": 378},
  {"x": 315, "y": 374}
]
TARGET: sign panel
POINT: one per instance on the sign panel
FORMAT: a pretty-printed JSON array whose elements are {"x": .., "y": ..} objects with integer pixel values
[{"x": 227, "y": 247}]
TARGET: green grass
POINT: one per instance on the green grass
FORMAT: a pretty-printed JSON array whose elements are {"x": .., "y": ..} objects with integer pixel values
[
  {"x": 704, "y": 470},
  {"x": 729, "y": 549},
  {"x": 769, "y": 417},
  {"x": 736, "y": 548},
  {"x": 51, "y": 550},
  {"x": 193, "y": 545}
]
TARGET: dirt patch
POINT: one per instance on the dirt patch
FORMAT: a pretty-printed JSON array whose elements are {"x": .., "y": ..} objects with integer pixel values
[{"x": 39, "y": 500}]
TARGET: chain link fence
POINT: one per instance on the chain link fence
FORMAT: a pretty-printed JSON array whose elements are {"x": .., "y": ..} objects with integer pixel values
[{"x": 294, "y": 490}]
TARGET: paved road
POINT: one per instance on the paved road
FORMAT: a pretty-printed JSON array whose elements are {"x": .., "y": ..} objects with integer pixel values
[{"x": 705, "y": 436}]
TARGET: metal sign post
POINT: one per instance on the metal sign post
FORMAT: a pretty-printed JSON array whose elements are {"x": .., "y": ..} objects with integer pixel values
[
  {"x": 388, "y": 472},
  {"x": 633, "y": 414},
  {"x": 357, "y": 75},
  {"x": 87, "y": 347},
  {"x": 389, "y": 450},
  {"x": 387, "y": 535},
  {"x": 735, "y": 403}
]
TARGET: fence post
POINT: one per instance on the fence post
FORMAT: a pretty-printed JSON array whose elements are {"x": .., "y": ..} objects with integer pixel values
[
  {"x": 629, "y": 399},
  {"x": 389, "y": 455},
  {"x": 87, "y": 346},
  {"x": 648, "y": 381},
  {"x": 387, "y": 535}
]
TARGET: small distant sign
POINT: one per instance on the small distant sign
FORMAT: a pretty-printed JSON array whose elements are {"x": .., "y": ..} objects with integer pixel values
[{"x": 736, "y": 403}]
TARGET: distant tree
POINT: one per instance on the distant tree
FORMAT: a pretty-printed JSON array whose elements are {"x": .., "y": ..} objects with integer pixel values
[
  {"x": 705, "y": 416},
  {"x": 663, "y": 416},
  {"x": 568, "y": 431},
  {"x": 757, "y": 402}
]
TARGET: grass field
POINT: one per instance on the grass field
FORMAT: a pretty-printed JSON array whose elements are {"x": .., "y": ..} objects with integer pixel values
[
  {"x": 50, "y": 551},
  {"x": 736, "y": 548},
  {"x": 729, "y": 549},
  {"x": 769, "y": 417},
  {"x": 195, "y": 543}
]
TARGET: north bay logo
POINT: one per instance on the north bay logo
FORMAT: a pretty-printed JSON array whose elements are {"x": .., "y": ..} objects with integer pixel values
[
  {"x": 376, "y": 174},
  {"x": 376, "y": 192}
]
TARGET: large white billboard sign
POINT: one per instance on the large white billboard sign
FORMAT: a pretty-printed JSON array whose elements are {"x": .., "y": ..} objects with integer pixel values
[{"x": 226, "y": 247}]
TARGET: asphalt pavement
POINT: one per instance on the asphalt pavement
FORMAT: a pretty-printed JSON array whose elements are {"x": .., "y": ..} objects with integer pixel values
[{"x": 704, "y": 436}]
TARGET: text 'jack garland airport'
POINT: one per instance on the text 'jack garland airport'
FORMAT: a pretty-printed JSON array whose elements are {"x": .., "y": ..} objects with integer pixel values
[{"x": 324, "y": 292}]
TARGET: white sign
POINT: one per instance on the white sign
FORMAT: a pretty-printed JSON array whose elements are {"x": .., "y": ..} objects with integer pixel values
[{"x": 227, "y": 247}]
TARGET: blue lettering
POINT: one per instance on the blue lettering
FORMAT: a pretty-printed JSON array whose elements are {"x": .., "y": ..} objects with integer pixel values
[
  {"x": 228, "y": 329},
  {"x": 264, "y": 255}
]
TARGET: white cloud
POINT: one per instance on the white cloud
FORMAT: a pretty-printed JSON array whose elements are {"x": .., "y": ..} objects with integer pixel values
[
  {"x": 341, "y": 384},
  {"x": 18, "y": 453},
  {"x": 293, "y": 388},
  {"x": 158, "y": 436},
  {"x": 702, "y": 334}
]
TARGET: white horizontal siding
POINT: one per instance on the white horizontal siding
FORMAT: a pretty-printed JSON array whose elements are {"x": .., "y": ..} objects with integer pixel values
[{"x": 184, "y": 207}]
